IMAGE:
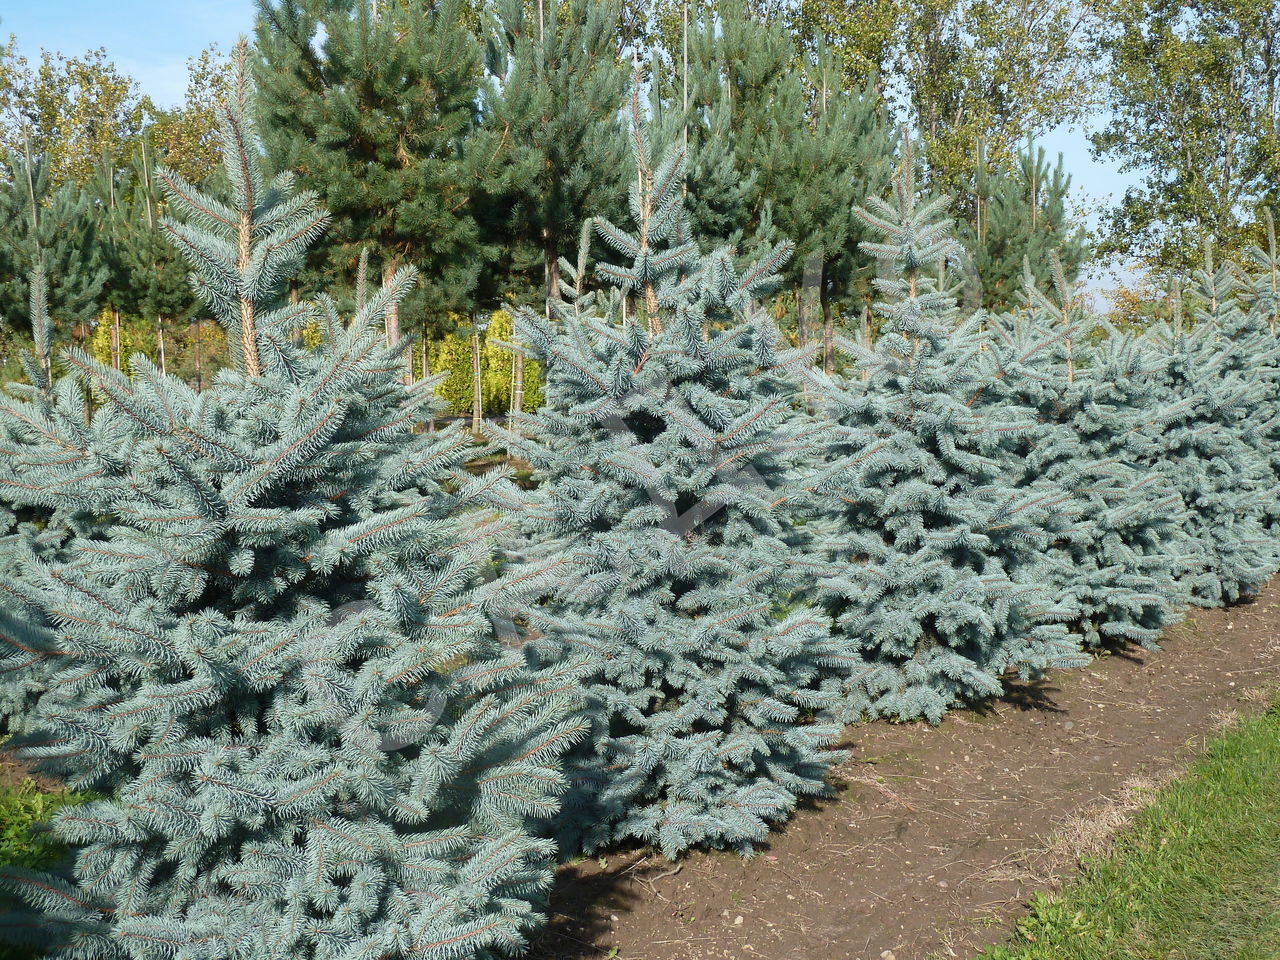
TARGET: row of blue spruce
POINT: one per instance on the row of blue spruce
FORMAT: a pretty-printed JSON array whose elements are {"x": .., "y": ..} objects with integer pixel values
[{"x": 342, "y": 699}]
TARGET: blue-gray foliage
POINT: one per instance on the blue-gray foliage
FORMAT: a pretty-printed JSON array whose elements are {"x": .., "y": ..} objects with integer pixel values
[
  {"x": 261, "y": 637},
  {"x": 933, "y": 548},
  {"x": 660, "y": 531},
  {"x": 1118, "y": 553},
  {"x": 1216, "y": 400}
]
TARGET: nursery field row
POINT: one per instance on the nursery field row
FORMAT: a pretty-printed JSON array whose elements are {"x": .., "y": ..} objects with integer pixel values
[
  {"x": 939, "y": 836},
  {"x": 338, "y": 696}
]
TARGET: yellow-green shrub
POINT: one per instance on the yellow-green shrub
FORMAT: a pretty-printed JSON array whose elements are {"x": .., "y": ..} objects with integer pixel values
[
  {"x": 135, "y": 337},
  {"x": 498, "y": 366},
  {"x": 451, "y": 356}
]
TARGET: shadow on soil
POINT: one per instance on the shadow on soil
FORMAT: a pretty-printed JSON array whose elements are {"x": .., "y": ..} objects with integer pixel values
[
  {"x": 580, "y": 904},
  {"x": 585, "y": 894}
]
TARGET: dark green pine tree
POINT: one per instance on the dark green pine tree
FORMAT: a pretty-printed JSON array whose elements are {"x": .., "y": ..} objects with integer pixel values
[
  {"x": 376, "y": 104},
  {"x": 1019, "y": 214},
  {"x": 1118, "y": 554},
  {"x": 556, "y": 94},
  {"x": 842, "y": 153},
  {"x": 50, "y": 230},
  {"x": 805, "y": 151},
  {"x": 690, "y": 106},
  {"x": 154, "y": 284},
  {"x": 272, "y": 662},
  {"x": 661, "y": 549},
  {"x": 934, "y": 550}
]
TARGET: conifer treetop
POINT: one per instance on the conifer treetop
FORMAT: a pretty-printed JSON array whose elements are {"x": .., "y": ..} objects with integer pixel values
[{"x": 241, "y": 252}]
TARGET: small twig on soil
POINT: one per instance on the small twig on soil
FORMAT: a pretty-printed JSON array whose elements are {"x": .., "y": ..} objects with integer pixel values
[
  {"x": 667, "y": 873},
  {"x": 880, "y": 785}
]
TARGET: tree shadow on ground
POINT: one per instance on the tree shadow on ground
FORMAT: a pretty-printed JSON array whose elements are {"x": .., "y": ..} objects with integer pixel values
[{"x": 582, "y": 900}]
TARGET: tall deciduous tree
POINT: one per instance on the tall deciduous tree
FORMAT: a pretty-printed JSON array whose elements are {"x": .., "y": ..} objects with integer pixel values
[
  {"x": 1194, "y": 93},
  {"x": 185, "y": 136},
  {"x": 69, "y": 109},
  {"x": 964, "y": 70}
]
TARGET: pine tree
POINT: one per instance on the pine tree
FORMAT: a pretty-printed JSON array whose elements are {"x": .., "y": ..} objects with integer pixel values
[
  {"x": 805, "y": 150},
  {"x": 271, "y": 657},
  {"x": 1214, "y": 388},
  {"x": 1020, "y": 215},
  {"x": 556, "y": 88},
  {"x": 933, "y": 549},
  {"x": 155, "y": 287},
  {"x": 660, "y": 548},
  {"x": 841, "y": 155},
  {"x": 691, "y": 106},
  {"x": 377, "y": 104},
  {"x": 50, "y": 230}
]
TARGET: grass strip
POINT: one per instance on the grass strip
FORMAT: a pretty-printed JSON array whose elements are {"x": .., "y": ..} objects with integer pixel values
[{"x": 1197, "y": 877}]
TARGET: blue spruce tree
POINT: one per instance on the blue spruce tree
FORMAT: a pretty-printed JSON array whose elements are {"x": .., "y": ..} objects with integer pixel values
[
  {"x": 1217, "y": 389},
  {"x": 1119, "y": 552},
  {"x": 271, "y": 655},
  {"x": 934, "y": 550},
  {"x": 660, "y": 546}
]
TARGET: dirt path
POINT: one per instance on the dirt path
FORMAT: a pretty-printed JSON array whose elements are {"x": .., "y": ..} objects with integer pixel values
[{"x": 936, "y": 835}]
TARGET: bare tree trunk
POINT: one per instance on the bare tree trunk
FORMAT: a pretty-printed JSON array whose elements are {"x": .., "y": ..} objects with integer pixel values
[
  {"x": 248, "y": 320},
  {"x": 550, "y": 265},
  {"x": 477, "y": 385},
  {"x": 160, "y": 344},
  {"x": 393, "y": 321},
  {"x": 426, "y": 373},
  {"x": 517, "y": 393},
  {"x": 115, "y": 339},
  {"x": 517, "y": 373},
  {"x": 828, "y": 329},
  {"x": 298, "y": 330},
  {"x": 802, "y": 329}
]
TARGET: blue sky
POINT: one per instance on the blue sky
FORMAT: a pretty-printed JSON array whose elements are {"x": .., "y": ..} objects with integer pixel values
[{"x": 152, "y": 39}]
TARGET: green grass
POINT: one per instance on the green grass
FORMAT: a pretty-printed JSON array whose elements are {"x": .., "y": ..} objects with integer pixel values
[
  {"x": 24, "y": 809},
  {"x": 1196, "y": 878}
]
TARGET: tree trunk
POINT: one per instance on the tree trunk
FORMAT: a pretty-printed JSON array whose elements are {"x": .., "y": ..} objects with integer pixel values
[
  {"x": 517, "y": 390},
  {"x": 298, "y": 330},
  {"x": 550, "y": 266},
  {"x": 115, "y": 339},
  {"x": 160, "y": 344},
  {"x": 248, "y": 320},
  {"x": 477, "y": 386},
  {"x": 393, "y": 321},
  {"x": 828, "y": 328},
  {"x": 802, "y": 329},
  {"x": 426, "y": 373}
]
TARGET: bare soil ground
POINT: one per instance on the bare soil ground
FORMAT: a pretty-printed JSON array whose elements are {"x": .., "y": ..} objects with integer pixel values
[{"x": 936, "y": 835}]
